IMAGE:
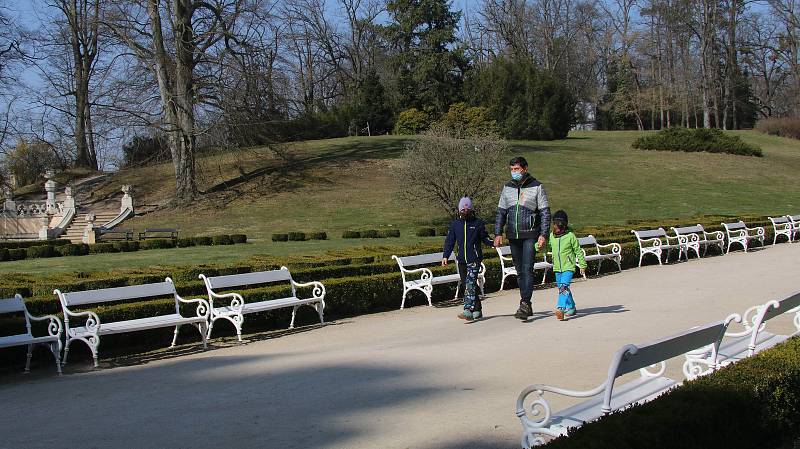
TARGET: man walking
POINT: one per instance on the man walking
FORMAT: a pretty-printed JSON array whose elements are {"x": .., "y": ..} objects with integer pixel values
[{"x": 525, "y": 213}]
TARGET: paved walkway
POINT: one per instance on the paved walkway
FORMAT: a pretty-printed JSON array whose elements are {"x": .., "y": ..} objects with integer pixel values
[{"x": 417, "y": 378}]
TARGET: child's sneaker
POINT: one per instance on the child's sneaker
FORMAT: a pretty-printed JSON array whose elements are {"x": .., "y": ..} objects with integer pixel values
[
  {"x": 560, "y": 314},
  {"x": 476, "y": 314},
  {"x": 570, "y": 312},
  {"x": 466, "y": 315}
]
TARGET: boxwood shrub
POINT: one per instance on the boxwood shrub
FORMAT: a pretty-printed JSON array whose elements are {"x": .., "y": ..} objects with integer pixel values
[
  {"x": 370, "y": 234},
  {"x": 41, "y": 251},
  {"x": 280, "y": 237},
  {"x": 16, "y": 254},
  {"x": 127, "y": 246},
  {"x": 239, "y": 238},
  {"x": 77, "y": 249},
  {"x": 184, "y": 242},
  {"x": 351, "y": 234},
  {"x": 384, "y": 233},
  {"x": 426, "y": 232},
  {"x": 297, "y": 236},
  {"x": 442, "y": 231},
  {"x": 322, "y": 235},
  {"x": 156, "y": 244},
  {"x": 694, "y": 140},
  {"x": 221, "y": 240},
  {"x": 102, "y": 248},
  {"x": 202, "y": 240}
]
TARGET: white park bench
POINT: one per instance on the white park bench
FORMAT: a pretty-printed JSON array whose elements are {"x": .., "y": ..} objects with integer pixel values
[
  {"x": 93, "y": 327},
  {"x": 738, "y": 232},
  {"x": 795, "y": 220},
  {"x": 590, "y": 242},
  {"x": 656, "y": 241},
  {"x": 697, "y": 237},
  {"x": 541, "y": 422},
  {"x": 236, "y": 308},
  {"x": 753, "y": 339},
  {"x": 508, "y": 269},
  {"x": 781, "y": 226},
  {"x": 423, "y": 280},
  {"x": 52, "y": 339}
]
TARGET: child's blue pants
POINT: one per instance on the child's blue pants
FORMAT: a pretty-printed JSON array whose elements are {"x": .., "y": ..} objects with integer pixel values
[{"x": 563, "y": 280}]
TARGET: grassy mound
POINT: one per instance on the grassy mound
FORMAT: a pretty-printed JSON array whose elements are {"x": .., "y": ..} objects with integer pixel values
[{"x": 696, "y": 140}]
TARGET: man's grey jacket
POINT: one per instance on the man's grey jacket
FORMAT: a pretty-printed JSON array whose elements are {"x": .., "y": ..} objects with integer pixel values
[{"x": 523, "y": 210}]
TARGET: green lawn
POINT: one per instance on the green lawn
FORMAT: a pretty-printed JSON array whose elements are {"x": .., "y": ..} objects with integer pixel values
[{"x": 339, "y": 184}]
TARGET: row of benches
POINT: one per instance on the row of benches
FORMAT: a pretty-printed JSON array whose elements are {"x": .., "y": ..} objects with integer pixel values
[
  {"x": 651, "y": 241},
  {"x": 82, "y": 322},
  {"x": 705, "y": 349}
]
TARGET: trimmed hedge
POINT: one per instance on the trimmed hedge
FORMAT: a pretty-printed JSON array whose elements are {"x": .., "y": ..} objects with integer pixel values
[
  {"x": 752, "y": 403},
  {"x": 221, "y": 240},
  {"x": 322, "y": 235},
  {"x": 280, "y": 237},
  {"x": 695, "y": 140},
  {"x": 34, "y": 252},
  {"x": 98, "y": 248},
  {"x": 203, "y": 240},
  {"x": 426, "y": 232},
  {"x": 156, "y": 244},
  {"x": 78, "y": 249},
  {"x": 30, "y": 243},
  {"x": 388, "y": 233},
  {"x": 369, "y": 234},
  {"x": 184, "y": 242},
  {"x": 297, "y": 236},
  {"x": 351, "y": 235},
  {"x": 238, "y": 238}
]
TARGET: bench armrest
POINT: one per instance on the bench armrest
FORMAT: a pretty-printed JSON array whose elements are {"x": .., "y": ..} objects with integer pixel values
[
  {"x": 92, "y": 320},
  {"x": 540, "y": 408},
  {"x": 717, "y": 235},
  {"x": 426, "y": 273},
  {"x": 317, "y": 292},
  {"x": 682, "y": 239},
  {"x": 203, "y": 308},
  {"x": 54, "y": 327},
  {"x": 616, "y": 248},
  {"x": 758, "y": 229},
  {"x": 655, "y": 241}
]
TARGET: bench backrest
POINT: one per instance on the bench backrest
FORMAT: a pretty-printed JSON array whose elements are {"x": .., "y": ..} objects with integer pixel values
[
  {"x": 12, "y": 305},
  {"x": 86, "y": 297},
  {"x": 258, "y": 277},
  {"x": 504, "y": 250},
  {"x": 779, "y": 220},
  {"x": 784, "y": 305},
  {"x": 734, "y": 226},
  {"x": 423, "y": 259},
  {"x": 160, "y": 230},
  {"x": 588, "y": 240},
  {"x": 794, "y": 218},
  {"x": 696, "y": 229},
  {"x": 650, "y": 233},
  {"x": 634, "y": 357}
]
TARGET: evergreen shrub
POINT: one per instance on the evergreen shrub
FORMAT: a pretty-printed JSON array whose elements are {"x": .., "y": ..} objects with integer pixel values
[{"x": 695, "y": 140}]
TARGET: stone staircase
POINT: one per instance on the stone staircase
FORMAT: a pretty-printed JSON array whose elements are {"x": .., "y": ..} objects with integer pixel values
[{"x": 74, "y": 231}]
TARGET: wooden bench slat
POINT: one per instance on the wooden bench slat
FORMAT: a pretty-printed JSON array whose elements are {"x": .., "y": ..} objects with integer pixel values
[
  {"x": 11, "y": 305},
  {"x": 244, "y": 279}
]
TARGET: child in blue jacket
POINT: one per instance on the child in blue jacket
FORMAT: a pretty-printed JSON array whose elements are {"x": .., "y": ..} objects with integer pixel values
[{"x": 469, "y": 231}]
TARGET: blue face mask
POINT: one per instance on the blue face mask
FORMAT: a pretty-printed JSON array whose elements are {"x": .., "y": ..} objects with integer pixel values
[{"x": 516, "y": 176}]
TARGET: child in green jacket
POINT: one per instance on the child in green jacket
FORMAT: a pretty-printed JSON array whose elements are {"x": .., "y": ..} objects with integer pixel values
[{"x": 566, "y": 254}]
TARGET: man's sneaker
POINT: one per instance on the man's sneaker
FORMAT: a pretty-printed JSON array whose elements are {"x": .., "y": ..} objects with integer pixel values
[
  {"x": 524, "y": 311},
  {"x": 466, "y": 315},
  {"x": 570, "y": 312},
  {"x": 476, "y": 314},
  {"x": 560, "y": 314}
]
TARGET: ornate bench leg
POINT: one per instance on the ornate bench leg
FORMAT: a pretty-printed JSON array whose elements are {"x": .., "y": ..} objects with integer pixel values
[
  {"x": 294, "y": 312},
  {"x": 428, "y": 289},
  {"x": 319, "y": 308},
  {"x": 55, "y": 348},
  {"x": 202, "y": 328},
  {"x": 175, "y": 336},
  {"x": 28, "y": 361}
]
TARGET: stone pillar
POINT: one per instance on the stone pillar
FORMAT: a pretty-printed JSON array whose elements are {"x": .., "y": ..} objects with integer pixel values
[
  {"x": 69, "y": 200},
  {"x": 89, "y": 233},
  {"x": 10, "y": 206},
  {"x": 127, "y": 199},
  {"x": 50, "y": 187},
  {"x": 44, "y": 228}
]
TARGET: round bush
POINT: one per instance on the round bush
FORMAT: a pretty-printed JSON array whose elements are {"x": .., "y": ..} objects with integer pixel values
[
  {"x": 202, "y": 241},
  {"x": 79, "y": 249},
  {"x": 411, "y": 121},
  {"x": 426, "y": 232},
  {"x": 297, "y": 236},
  {"x": 156, "y": 244},
  {"x": 98, "y": 248},
  {"x": 185, "y": 242},
  {"x": 239, "y": 238},
  {"x": 36, "y": 252},
  {"x": 221, "y": 240},
  {"x": 351, "y": 235},
  {"x": 319, "y": 235},
  {"x": 280, "y": 237}
]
